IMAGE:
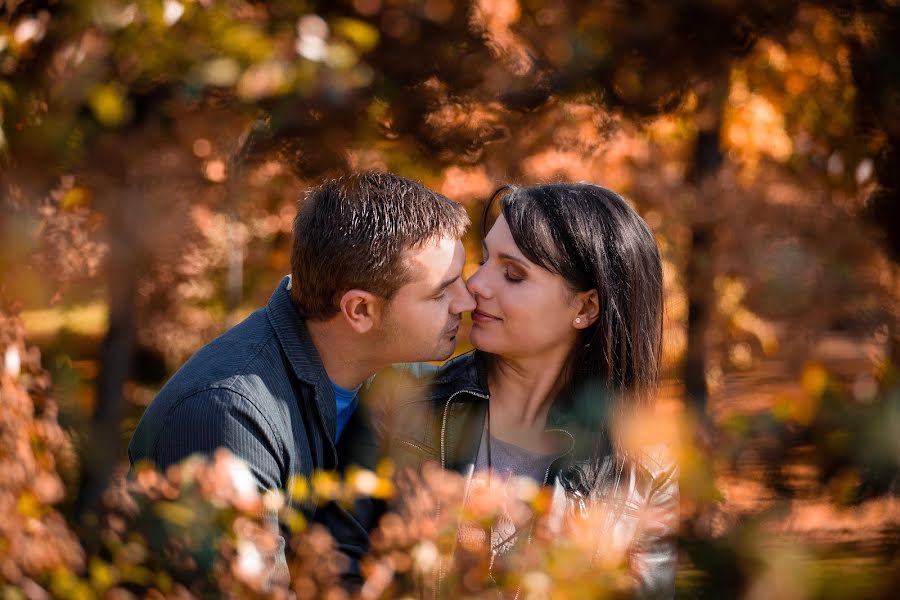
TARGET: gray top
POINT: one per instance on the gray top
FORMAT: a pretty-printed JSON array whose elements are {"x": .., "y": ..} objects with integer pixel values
[{"x": 509, "y": 459}]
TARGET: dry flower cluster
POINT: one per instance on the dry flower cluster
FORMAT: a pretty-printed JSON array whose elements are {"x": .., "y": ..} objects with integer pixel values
[
  {"x": 203, "y": 529},
  {"x": 34, "y": 537}
]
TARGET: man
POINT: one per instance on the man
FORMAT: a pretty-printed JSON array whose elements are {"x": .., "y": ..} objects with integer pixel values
[{"x": 375, "y": 279}]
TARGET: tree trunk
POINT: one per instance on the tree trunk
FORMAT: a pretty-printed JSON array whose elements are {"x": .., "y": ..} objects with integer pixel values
[
  {"x": 873, "y": 64},
  {"x": 699, "y": 276},
  {"x": 104, "y": 446},
  {"x": 699, "y": 270}
]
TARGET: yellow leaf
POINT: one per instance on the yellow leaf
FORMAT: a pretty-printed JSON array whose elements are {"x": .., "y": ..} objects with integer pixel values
[
  {"x": 103, "y": 575},
  {"x": 29, "y": 506},
  {"x": 293, "y": 520},
  {"x": 326, "y": 485},
  {"x": 63, "y": 583},
  {"x": 246, "y": 41},
  {"x": 363, "y": 35},
  {"x": 137, "y": 574},
  {"x": 814, "y": 379},
  {"x": 109, "y": 105},
  {"x": 175, "y": 513},
  {"x": 298, "y": 488},
  {"x": 77, "y": 196},
  {"x": 164, "y": 582}
]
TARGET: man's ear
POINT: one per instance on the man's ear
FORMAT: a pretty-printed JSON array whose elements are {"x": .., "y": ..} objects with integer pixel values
[
  {"x": 361, "y": 310},
  {"x": 588, "y": 309}
]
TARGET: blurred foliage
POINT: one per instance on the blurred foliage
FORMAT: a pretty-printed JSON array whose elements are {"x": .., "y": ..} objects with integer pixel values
[
  {"x": 203, "y": 530},
  {"x": 152, "y": 155}
]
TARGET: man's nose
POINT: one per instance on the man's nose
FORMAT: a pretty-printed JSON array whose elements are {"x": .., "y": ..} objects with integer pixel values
[{"x": 464, "y": 301}]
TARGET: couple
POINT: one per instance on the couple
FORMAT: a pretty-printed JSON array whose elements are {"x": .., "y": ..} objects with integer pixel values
[{"x": 566, "y": 318}]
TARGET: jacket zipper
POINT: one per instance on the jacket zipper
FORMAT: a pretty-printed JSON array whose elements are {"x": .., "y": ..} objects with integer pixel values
[
  {"x": 444, "y": 466},
  {"x": 416, "y": 446},
  {"x": 531, "y": 529},
  {"x": 444, "y": 420},
  {"x": 553, "y": 462},
  {"x": 465, "y": 494}
]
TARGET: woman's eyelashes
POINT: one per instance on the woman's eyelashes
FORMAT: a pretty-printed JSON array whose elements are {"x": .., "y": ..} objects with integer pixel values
[
  {"x": 512, "y": 275},
  {"x": 510, "y": 272}
]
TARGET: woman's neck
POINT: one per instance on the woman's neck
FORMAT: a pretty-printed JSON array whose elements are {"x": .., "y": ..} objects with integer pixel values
[{"x": 522, "y": 392}]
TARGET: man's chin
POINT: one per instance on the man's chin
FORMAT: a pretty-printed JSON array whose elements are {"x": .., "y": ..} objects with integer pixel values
[
  {"x": 440, "y": 352},
  {"x": 445, "y": 351}
]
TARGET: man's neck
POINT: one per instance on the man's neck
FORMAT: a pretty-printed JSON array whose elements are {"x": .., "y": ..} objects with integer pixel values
[{"x": 346, "y": 362}]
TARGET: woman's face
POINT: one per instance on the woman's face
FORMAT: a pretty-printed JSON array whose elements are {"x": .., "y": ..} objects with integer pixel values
[{"x": 523, "y": 310}]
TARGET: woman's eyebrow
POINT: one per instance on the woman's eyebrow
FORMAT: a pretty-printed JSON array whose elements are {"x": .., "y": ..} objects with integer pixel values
[
  {"x": 502, "y": 255},
  {"x": 516, "y": 259}
]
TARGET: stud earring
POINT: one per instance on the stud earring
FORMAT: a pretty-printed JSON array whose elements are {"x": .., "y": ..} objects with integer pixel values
[{"x": 578, "y": 320}]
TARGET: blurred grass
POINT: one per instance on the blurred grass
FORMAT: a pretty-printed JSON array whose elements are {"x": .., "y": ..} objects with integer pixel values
[
  {"x": 89, "y": 320},
  {"x": 838, "y": 572}
]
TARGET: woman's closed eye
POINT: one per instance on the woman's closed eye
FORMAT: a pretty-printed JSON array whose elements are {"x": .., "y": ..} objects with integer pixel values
[{"x": 513, "y": 275}]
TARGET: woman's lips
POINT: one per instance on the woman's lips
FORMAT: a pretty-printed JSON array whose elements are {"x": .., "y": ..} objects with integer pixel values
[{"x": 483, "y": 317}]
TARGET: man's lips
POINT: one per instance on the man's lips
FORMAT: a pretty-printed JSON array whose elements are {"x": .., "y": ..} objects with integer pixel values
[
  {"x": 453, "y": 331},
  {"x": 479, "y": 316}
]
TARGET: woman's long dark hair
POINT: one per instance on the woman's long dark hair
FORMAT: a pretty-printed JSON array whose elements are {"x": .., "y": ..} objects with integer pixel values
[{"x": 592, "y": 238}]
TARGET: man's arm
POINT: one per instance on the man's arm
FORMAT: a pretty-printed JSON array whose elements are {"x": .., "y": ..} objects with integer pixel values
[{"x": 221, "y": 418}]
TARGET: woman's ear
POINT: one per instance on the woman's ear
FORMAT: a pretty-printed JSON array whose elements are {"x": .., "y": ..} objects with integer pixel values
[
  {"x": 361, "y": 310},
  {"x": 588, "y": 309}
]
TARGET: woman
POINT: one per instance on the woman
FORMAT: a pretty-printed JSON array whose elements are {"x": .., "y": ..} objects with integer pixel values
[{"x": 567, "y": 331}]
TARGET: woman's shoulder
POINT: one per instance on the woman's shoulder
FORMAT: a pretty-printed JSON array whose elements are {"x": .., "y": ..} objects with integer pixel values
[
  {"x": 659, "y": 467},
  {"x": 645, "y": 471},
  {"x": 658, "y": 459},
  {"x": 409, "y": 384},
  {"x": 464, "y": 372}
]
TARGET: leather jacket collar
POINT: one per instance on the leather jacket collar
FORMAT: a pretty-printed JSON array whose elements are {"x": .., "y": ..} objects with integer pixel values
[{"x": 461, "y": 397}]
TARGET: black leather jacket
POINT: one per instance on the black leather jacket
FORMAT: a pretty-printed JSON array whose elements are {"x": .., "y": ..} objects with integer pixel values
[{"x": 439, "y": 415}]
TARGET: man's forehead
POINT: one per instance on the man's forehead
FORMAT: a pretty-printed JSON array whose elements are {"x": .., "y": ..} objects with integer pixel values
[{"x": 433, "y": 259}]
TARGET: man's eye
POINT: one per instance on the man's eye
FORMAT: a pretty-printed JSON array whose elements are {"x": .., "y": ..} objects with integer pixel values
[{"x": 441, "y": 296}]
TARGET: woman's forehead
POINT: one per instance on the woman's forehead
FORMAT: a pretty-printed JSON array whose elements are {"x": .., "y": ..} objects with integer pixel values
[{"x": 500, "y": 239}]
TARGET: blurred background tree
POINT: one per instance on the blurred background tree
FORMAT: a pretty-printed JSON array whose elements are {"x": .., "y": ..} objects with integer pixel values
[{"x": 154, "y": 151}]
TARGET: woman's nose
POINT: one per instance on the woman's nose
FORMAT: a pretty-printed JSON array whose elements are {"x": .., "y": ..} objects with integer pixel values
[{"x": 477, "y": 284}]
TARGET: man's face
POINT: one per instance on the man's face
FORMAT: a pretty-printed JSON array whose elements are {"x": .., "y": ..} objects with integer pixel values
[{"x": 421, "y": 321}]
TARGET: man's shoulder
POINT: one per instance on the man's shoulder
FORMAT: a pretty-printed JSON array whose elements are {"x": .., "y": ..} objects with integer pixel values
[
  {"x": 228, "y": 361},
  {"x": 243, "y": 365}
]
